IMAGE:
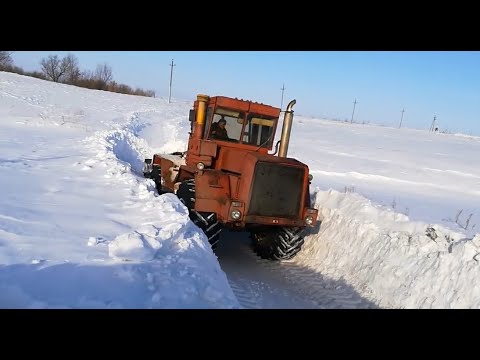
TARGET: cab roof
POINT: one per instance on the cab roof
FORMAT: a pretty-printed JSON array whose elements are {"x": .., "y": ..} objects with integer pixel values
[{"x": 244, "y": 105}]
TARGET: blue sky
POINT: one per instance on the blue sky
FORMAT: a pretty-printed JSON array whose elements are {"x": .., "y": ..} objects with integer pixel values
[{"x": 324, "y": 83}]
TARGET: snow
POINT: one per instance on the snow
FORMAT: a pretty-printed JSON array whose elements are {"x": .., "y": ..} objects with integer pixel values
[
  {"x": 395, "y": 207},
  {"x": 81, "y": 228},
  {"x": 396, "y": 262},
  {"x": 427, "y": 176},
  {"x": 78, "y": 227}
]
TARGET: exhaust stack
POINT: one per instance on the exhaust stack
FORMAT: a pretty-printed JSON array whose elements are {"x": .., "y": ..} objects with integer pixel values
[
  {"x": 287, "y": 127},
  {"x": 200, "y": 119}
]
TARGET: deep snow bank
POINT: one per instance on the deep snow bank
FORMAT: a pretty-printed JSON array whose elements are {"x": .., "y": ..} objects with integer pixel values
[{"x": 394, "y": 262}]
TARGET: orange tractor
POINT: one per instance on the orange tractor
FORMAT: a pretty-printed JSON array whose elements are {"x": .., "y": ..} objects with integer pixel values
[{"x": 228, "y": 178}]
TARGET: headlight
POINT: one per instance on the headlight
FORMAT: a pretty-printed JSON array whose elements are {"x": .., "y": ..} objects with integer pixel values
[
  {"x": 235, "y": 214},
  {"x": 200, "y": 166},
  {"x": 310, "y": 177},
  {"x": 309, "y": 220}
]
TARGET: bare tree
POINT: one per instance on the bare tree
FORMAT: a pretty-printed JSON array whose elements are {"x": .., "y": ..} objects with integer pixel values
[
  {"x": 87, "y": 75},
  {"x": 5, "y": 59},
  {"x": 53, "y": 68},
  {"x": 72, "y": 69},
  {"x": 124, "y": 89},
  {"x": 103, "y": 75},
  {"x": 150, "y": 93}
]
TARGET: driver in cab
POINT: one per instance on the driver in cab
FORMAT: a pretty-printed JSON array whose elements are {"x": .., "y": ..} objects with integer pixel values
[{"x": 218, "y": 130}]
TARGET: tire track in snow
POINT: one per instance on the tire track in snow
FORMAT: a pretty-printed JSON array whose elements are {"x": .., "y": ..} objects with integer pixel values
[
  {"x": 243, "y": 292},
  {"x": 259, "y": 283},
  {"x": 327, "y": 293}
]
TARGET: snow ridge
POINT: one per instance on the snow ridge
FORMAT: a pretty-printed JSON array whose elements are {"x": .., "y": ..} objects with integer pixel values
[{"x": 392, "y": 261}]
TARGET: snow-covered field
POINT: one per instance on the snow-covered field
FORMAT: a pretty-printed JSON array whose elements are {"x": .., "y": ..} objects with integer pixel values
[{"x": 80, "y": 227}]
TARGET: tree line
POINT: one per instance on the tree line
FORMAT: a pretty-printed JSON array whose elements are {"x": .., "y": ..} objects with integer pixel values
[{"x": 67, "y": 71}]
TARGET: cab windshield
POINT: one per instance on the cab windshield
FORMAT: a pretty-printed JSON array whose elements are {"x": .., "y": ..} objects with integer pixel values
[{"x": 240, "y": 127}]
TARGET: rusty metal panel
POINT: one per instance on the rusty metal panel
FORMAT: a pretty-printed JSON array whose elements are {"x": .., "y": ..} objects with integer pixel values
[
  {"x": 245, "y": 105},
  {"x": 193, "y": 160},
  {"x": 246, "y": 179},
  {"x": 231, "y": 103},
  {"x": 202, "y": 147},
  {"x": 193, "y": 146},
  {"x": 212, "y": 192},
  {"x": 206, "y": 205},
  {"x": 208, "y": 148},
  {"x": 231, "y": 159},
  {"x": 264, "y": 109},
  {"x": 157, "y": 160},
  {"x": 212, "y": 184}
]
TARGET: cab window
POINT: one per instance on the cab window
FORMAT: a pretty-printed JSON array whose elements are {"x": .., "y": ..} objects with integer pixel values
[
  {"x": 259, "y": 130},
  {"x": 226, "y": 125}
]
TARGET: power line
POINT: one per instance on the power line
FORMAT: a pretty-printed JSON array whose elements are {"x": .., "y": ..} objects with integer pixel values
[
  {"x": 353, "y": 112},
  {"x": 403, "y": 110},
  {"x": 432, "y": 128},
  {"x": 171, "y": 75}
]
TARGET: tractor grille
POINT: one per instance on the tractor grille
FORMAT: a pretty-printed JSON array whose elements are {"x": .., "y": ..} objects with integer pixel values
[{"x": 276, "y": 190}]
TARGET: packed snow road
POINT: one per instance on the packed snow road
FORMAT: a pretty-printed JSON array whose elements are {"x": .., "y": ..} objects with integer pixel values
[{"x": 264, "y": 284}]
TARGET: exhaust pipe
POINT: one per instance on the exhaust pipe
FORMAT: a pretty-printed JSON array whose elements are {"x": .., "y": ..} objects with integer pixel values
[
  {"x": 287, "y": 127},
  {"x": 200, "y": 120}
]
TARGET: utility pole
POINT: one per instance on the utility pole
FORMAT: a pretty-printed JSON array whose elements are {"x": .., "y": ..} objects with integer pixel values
[
  {"x": 403, "y": 110},
  {"x": 353, "y": 112},
  {"x": 283, "y": 89},
  {"x": 171, "y": 74},
  {"x": 433, "y": 123}
]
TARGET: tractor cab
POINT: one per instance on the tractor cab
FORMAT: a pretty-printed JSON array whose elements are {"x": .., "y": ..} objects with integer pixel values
[{"x": 238, "y": 123}]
